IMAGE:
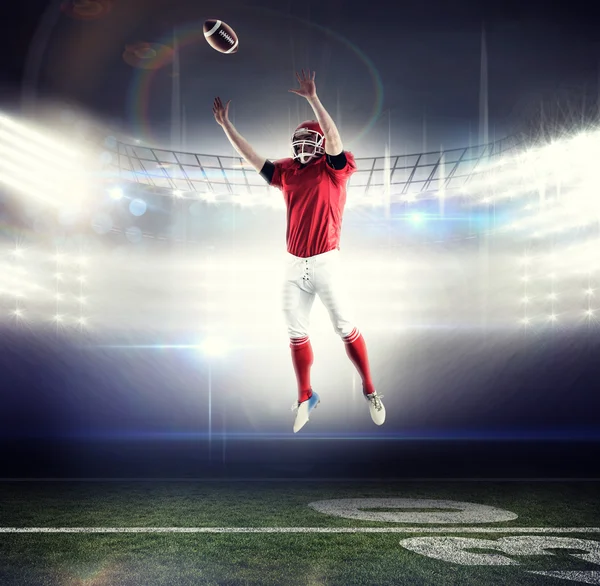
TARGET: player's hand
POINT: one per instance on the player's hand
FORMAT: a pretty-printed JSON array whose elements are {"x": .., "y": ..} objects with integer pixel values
[
  {"x": 307, "y": 88},
  {"x": 221, "y": 112}
]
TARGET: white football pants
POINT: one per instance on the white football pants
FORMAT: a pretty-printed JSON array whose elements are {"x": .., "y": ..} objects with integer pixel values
[{"x": 304, "y": 279}]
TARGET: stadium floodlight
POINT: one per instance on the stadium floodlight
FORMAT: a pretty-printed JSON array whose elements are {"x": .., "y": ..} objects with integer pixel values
[
  {"x": 39, "y": 174},
  {"x": 26, "y": 134}
]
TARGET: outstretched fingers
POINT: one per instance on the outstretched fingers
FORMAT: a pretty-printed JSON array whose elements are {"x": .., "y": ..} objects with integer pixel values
[
  {"x": 218, "y": 105},
  {"x": 306, "y": 76}
]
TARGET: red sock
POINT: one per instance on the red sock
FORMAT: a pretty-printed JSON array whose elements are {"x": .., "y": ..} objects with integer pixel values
[
  {"x": 357, "y": 352},
  {"x": 302, "y": 358}
]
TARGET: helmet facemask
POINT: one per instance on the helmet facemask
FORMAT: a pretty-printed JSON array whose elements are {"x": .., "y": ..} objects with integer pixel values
[{"x": 307, "y": 144}]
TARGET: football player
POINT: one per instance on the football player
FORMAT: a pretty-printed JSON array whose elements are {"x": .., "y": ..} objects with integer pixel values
[{"x": 313, "y": 182}]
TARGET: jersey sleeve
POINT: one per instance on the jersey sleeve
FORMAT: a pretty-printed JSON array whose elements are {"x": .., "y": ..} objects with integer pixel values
[
  {"x": 278, "y": 173},
  {"x": 267, "y": 171},
  {"x": 337, "y": 161},
  {"x": 342, "y": 175}
]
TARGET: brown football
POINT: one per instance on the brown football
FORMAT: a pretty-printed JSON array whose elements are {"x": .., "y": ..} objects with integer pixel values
[{"x": 220, "y": 36}]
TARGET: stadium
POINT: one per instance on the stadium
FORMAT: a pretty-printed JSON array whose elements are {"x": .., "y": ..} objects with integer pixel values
[{"x": 146, "y": 424}]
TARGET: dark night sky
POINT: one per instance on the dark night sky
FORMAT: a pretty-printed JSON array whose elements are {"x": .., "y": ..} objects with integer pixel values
[{"x": 426, "y": 54}]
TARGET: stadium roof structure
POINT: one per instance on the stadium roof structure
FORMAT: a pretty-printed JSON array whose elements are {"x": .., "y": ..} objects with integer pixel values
[{"x": 407, "y": 177}]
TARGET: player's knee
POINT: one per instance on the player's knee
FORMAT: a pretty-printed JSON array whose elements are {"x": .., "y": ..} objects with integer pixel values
[
  {"x": 295, "y": 324},
  {"x": 343, "y": 329},
  {"x": 297, "y": 330},
  {"x": 341, "y": 333}
]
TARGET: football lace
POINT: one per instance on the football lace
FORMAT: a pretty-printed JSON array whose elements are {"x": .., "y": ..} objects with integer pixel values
[{"x": 226, "y": 36}]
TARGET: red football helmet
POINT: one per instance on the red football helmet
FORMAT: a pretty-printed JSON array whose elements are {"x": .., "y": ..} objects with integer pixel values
[{"x": 308, "y": 141}]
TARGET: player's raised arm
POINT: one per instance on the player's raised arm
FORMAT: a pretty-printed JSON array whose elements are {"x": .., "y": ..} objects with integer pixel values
[
  {"x": 239, "y": 143},
  {"x": 308, "y": 90}
]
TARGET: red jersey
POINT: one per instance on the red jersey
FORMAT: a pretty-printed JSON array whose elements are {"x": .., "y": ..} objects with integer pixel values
[{"x": 315, "y": 196}]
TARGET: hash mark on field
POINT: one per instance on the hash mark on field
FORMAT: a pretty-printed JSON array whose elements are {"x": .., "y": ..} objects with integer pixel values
[{"x": 300, "y": 529}]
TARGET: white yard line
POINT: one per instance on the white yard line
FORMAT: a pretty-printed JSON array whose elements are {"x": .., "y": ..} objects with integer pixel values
[{"x": 447, "y": 530}]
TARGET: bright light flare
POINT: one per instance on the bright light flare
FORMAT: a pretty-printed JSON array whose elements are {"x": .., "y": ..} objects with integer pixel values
[
  {"x": 214, "y": 347},
  {"x": 40, "y": 166},
  {"x": 28, "y": 134},
  {"x": 115, "y": 193}
]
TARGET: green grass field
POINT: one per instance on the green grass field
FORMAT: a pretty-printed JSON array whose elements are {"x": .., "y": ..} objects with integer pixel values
[{"x": 293, "y": 543}]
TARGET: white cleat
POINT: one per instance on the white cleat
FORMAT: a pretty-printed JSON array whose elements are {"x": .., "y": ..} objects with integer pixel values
[
  {"x": 376, "y": 408},
  {"x": 303, "y": 411}
]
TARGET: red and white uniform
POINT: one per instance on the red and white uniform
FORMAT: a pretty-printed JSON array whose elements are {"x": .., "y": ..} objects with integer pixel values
[{"x": 315, "y": 196}]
